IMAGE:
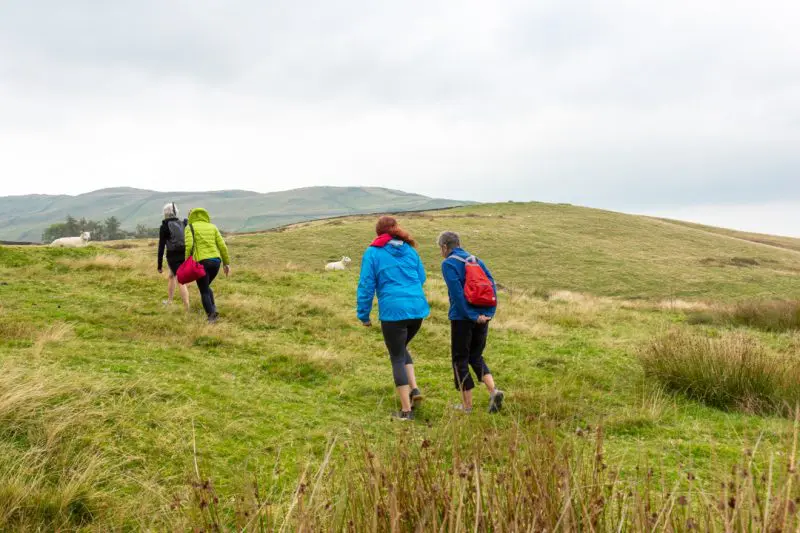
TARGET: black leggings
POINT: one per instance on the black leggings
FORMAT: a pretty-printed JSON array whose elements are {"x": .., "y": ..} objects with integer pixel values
[
  {"x": 397, "y": 335},
  {"x": 204, "y": 284},
  {"x": 468, "y": 340}
]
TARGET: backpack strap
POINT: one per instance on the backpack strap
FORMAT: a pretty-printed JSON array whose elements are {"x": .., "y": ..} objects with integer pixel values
[
  {"x": 470, "y": 259},
  {"x": 194, "y": 242}
]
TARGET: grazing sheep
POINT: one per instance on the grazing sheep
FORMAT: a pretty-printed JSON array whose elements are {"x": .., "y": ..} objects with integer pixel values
[
  {"x": 72, "y": 242},
  {"x": 339, "y": 265}
]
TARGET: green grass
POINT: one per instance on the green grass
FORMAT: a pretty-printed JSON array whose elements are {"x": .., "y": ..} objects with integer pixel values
[{"x": 125, "y": 400}]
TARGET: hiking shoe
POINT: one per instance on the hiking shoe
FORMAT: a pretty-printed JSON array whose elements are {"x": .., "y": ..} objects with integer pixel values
[
  {"x": 402, "y": 415},
  {"x": 496, "y": 401},
  {"x": 460, "y": 407},
  {"x": 416, "y": 398},
  {"x": 213, "y": 317}
]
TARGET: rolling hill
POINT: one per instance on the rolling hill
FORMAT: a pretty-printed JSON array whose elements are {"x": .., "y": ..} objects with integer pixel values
[
  {"x": 24, "y": 218},
  {"x": 118, "y": 413}
]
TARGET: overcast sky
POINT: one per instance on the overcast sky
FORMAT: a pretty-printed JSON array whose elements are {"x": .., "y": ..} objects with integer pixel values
[{"x": 684, "y": 108}]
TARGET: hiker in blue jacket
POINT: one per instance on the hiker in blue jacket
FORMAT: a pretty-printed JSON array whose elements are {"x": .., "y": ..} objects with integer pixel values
[
  {"x": 392, "y": 268},
  {"x": 469, "y": 325}
]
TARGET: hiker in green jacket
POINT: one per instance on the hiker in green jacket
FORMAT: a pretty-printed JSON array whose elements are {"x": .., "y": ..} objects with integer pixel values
[{"x": 205, "y": 243}]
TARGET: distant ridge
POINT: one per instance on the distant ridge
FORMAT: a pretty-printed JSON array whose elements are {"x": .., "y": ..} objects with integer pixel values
[{"x": 24, "y": 218}]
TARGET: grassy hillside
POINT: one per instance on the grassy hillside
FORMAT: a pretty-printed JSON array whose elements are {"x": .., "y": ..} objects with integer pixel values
[
  {"x": 558, "y": 247},
  {"x": 790, "y": 243},
  {"x": 24, "y": 218},
  {"x": 114, "y": 410}
]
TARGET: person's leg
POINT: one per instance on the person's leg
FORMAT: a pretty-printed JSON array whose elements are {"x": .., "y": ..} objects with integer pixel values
[
  {"x": 478, "y": 363},
  {"x": 205, "y": 296},
  {"x": 480, "y": 333},
  {"x": 411, "y": 331},
  {"x": 171, "y": 282},
  {"x": 460, "y": 340},
  {"x": 174, "y": 264},
  {"x": 184, "y": 290},
  {"x": 395, "y": 335},
  {"x": 212, "y": 269}
]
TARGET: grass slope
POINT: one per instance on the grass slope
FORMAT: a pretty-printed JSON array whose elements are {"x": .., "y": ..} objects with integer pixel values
[
  {"x": 790, "y": 243},
  {"x": 23, "y": 218},
  {"x": 105, "y": 395}
]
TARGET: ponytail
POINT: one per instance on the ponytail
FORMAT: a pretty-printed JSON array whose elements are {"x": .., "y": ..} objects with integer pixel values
[{"x": 388, "y": 225}]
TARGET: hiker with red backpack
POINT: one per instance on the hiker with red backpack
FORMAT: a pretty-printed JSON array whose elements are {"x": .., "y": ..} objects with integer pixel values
[
  {"x": 473, "y": 301},
  {"x": 171, "y": 239}
]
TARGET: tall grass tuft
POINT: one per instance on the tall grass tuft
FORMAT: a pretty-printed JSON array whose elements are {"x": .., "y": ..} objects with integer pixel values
[
  {"x": 51, "y": 476},
  {"x": 732, "y": 371},
  {"x": 766, "y": 315},
  {"x": 769, "y": 315},
  {"x": 524, "y": 478}
]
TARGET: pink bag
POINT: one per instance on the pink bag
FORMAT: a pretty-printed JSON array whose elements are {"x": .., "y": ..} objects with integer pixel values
[{"x": 190, "y": 270}]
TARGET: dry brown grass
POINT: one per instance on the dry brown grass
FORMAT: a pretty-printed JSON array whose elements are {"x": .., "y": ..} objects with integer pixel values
[
  {"x": 731, "y": 371},
  {"x": 54, "y": 334},
  {"x": 100, "y": 262},
  {"x": 56, "y": 482},
  {"x": 766, "y": 315},
  {"x": 523, "y": 479}
]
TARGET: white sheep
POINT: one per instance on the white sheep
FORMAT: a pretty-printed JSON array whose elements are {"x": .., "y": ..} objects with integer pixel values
[
  {"x": 72, "y": 242},
  {"x": 339, "y": 265}
]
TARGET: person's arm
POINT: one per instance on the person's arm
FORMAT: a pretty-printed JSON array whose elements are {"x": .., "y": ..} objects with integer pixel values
[
  {"x": 162, "y": 243},
  {"x": 456, "y": 289},
  {"x": 366, "y": 288},
  {"x": 222, "y": 247},
  {"x": 188, "y": 240},
  {"x": 489, "y": 311}
]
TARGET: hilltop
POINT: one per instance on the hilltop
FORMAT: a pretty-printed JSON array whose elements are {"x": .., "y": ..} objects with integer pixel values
[
  {"x": 116, "y": 412},
  {"x": 24, "y": 218}
]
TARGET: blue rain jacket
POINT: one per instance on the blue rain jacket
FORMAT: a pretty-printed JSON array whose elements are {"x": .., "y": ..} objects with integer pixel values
[
  {"x": 455, "y": 276},
  {"x": 396, "y": 273}
]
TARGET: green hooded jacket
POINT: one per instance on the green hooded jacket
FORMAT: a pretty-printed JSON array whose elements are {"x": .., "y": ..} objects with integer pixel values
[{"x": 209, "y": 240}]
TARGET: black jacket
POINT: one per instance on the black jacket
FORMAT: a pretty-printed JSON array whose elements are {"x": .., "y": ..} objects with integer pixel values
[{"x": 163, "y": 237}]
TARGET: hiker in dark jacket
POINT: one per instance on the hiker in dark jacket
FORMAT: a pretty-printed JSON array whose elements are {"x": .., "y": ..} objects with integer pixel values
[
  {"x": 171, "y": 239},
  {"x": 392, "y": 268},
  {"x": 469, "y": 325}
]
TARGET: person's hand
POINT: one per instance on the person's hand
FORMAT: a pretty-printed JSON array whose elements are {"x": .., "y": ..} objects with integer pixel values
[
  {"x": 483, "y": 319},
  {"x": 160, "y": 270},
  {"x": 367, "y": 324},
  {"x": 227, "y": 270}
]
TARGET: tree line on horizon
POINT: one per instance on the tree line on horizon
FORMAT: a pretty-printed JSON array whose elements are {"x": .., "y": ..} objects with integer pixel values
[{"x": 109, "y": 229}]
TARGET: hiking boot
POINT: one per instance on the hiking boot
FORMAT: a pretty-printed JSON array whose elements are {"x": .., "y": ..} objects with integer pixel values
[
  {"x": 496, "y": 401},
  {"x": 460, "y": 407},
  {"x": 416, "y": 398},
  {"x": 403, "y": 415},
  {"x": 213, "y": 317}
]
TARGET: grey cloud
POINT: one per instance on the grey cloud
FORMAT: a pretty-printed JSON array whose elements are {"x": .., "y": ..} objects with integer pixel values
[{"x": 600, "y": 103}]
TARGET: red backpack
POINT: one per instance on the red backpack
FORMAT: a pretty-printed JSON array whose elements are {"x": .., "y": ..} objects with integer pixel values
[{"x": 478, "y": 289}]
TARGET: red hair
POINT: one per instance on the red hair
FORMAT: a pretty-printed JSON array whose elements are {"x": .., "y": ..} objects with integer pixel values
[{"x": 388, "y": 225}]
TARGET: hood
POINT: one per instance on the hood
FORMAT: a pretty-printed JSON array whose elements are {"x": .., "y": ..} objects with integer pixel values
[
  {"x": 381, "y": 240},
  {"x": 199, "y": 214},
  {"x": 396, "y": 247}
]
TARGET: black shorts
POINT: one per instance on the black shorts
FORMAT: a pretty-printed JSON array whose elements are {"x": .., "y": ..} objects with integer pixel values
[{"x": 174, "y": 262}]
